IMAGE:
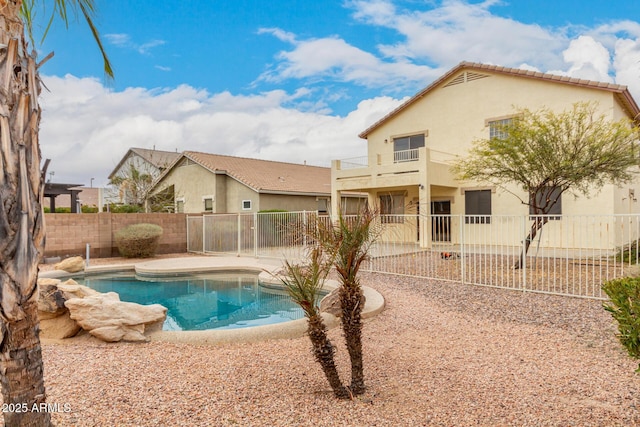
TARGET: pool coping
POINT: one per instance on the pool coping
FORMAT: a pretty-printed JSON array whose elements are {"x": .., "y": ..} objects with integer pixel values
[{"x": 267, "y": 269}]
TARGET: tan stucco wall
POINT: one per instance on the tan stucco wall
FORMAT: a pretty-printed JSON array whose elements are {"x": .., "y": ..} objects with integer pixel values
[
  {"x": 191, "y": 182},
  {"x": 236, "y": 193},
  {"x": 288, "y": 203},
  {"x": 453, "y": 117}
]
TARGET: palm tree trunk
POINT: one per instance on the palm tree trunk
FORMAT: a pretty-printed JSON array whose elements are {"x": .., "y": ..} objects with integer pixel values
[
  {"x": 21, "y": 223},
  {"x": 351, "y": 300},
  {"x": 23, "y": 381},
  {"x": 324, "y": 351}
]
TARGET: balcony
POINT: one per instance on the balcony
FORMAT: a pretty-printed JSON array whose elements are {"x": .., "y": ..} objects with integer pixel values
[{"x": 393, "y": 168}]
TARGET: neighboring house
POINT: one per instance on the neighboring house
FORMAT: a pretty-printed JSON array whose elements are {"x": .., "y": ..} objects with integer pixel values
[
  {"x": 143, "y": 162},
  {"x": 212, "y": 183},
  {"x": 410, "y": 149}
]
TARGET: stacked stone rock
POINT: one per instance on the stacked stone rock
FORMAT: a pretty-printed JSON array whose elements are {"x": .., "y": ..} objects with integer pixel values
[{"x": 66, "y": 308}]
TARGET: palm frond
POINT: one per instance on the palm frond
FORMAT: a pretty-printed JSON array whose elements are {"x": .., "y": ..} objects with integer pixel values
[{"x": 64, "y": 9}]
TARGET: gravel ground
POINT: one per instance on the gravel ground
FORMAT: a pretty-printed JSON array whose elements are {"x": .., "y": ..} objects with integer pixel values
[{"x": 441, "y": 354}]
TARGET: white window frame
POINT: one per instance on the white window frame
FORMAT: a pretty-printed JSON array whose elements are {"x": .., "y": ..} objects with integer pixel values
[
  {"x": 392, "y": 207},
  {"x": 204, "y": 201},
  {"x": 179, "y": 200},
  {"x": 475, "y": 214},
  {"x": 245, "y": 208},
  {"x": 413, "y": 141}
]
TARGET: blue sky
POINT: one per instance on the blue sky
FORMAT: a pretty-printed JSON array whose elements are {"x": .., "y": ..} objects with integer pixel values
[{"x": 295, "y": 80}]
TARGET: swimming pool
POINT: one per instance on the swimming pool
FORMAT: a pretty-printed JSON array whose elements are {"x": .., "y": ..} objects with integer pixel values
[{"x": 220, "y": 300}]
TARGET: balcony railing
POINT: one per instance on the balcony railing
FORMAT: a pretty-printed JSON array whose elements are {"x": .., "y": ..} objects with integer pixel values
[
  {"x": 354, "y": 163},
  {"x": 405, "y": 156}
]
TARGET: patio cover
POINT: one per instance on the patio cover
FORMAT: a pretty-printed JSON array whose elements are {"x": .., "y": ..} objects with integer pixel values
[{"x": 53, "y": 190}]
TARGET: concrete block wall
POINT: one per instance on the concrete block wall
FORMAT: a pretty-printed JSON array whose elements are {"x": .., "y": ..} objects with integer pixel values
[{"x": 68, "y": 234}]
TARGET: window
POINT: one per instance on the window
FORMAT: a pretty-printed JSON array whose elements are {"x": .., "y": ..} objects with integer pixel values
[
  {"x": 392, "y": 208},
  {"x": 405, "y": 149},
  {"x": 246, "y": 205},
  {"x": 498, "y": 128},
  {"x": 179, "y": 205},
  {"x": 208, "y": 203},
  {"x": 323, "y": 206},
  {"x": 548, "y": 196},
  {"x": 477, "y": 206}
]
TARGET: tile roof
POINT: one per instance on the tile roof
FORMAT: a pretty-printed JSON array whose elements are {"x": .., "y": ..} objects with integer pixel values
[
  {"x": 158, "y": 158},
  {"x": 267, "y": 176},
  {"x": 620, "y": 91}
]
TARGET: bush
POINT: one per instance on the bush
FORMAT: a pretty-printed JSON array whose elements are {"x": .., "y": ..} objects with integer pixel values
[
  {"x": 113, "y": 208},
  {"x": 138, "y": 240},
  {"x": 624, "y": 306},
  {"x": 629, "y": 253},
  {"x": 89, "y": 209}
]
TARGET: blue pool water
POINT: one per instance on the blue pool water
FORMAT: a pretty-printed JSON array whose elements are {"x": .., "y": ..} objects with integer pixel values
[{"x": 198, "y": 302}]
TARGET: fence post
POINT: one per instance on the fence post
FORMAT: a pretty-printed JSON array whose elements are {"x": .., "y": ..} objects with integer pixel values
[
  {"x": 204, "y": 234},
  {"x": 239, "y": 231},
  {"x": 304, "y": 230},
  {"x": 524, "y": 254},
  {"x": 186, "y": 218},
  {"x": 463, "y": 261},
  {"x": 255, "y": 234}
]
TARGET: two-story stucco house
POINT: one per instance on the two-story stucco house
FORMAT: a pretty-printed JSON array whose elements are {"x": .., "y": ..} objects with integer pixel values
[{"x": 410, "y": 149}]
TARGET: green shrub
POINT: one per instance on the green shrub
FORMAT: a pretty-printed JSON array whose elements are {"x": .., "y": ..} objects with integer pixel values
[
  {"x": 113, "y": 208},
  {"x": 89, "y": 209},
  {"x": 624, "y": 306},
  {"x": 138, "y": 240},
  {"x": 629, "y": 253}
]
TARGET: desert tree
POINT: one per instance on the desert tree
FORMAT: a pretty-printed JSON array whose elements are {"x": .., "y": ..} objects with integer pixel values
[
  {"x": 132, "y": 185},
  {"x": 21, "y": 218},
  {"x": 548, "y": 154}
]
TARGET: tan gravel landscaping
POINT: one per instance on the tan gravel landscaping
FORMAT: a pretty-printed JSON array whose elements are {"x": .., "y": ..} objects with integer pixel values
[{"x": 441, "y": 354}]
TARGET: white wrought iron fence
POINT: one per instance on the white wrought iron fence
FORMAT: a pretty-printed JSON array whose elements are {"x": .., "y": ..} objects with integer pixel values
[
  {"x": 568, "y": 255},
  {"x": 269, "y": 234}
]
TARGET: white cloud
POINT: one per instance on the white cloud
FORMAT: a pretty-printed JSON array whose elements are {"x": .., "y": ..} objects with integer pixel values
[
  {"x": 588, "y": 59},
  {"x": 279, "y": 34},
  {"x": 460, "y": 31},
  {"x": 626, "y": 64},
  {"x": 87, "y": 128},
  {"x": 443, "y": 35},
  {"x": 124, "y": 41},
  {"x": 335, "y": 59},
  {"x": 119, "y": 39}
]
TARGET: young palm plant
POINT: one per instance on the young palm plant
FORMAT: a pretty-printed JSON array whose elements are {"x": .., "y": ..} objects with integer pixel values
[
  {"x": 347, "y": 244},
  {"x": 303, "y": 283}
]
